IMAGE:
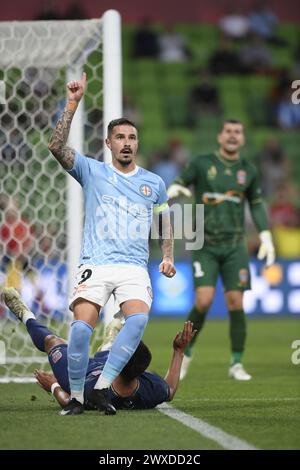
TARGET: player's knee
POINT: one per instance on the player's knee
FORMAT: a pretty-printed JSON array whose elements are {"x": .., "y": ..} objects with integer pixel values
[
  {"x": 51, "y": 341},
  {"x": 234, "y": 302},
  {"x": 203, "y": 304}
]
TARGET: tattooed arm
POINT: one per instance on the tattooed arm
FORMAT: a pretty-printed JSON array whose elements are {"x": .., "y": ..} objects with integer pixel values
[
  {"x": 166, "y": 242},
  {"x": 57, "y": 144},
  {"x": 167, "y": 267}
]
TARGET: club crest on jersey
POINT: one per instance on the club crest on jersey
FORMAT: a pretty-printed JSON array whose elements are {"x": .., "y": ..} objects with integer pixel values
[
  {"x": 212, "y": 172},
  {"x": 241, "y": 177},
  {"x": 56, "y": 356},
  {"x": 145, "y": 190}
]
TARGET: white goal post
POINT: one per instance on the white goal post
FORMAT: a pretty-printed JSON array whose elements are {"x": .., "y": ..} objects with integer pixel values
[{"x": 40, "y": 205}]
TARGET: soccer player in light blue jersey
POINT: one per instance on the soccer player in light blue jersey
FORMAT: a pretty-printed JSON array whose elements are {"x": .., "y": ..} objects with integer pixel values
[{"x": 120, "y": 199}]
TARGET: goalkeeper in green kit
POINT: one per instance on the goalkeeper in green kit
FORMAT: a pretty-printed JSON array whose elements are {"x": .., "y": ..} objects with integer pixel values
[{"x": 223, "y": 181}]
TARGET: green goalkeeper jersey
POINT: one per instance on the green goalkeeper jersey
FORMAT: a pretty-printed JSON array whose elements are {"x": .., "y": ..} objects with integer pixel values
[{"x": 223, "y": 187}]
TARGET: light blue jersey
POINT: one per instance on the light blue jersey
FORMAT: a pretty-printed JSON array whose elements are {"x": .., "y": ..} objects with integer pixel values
[{"x": 118, "y": 211}]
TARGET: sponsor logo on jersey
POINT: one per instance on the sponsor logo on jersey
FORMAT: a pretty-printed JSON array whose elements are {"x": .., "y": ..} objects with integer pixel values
[
  {"x": 56, "y": 356},
  {"x": 145, "y": 190},
  {"x": 212, "y": 172},
  {"x": 217, "y": 198},
  {"x": 241, "y": 177},
  {"x": 123, "y": 204},
  {"x": 243, "y": 276},
  {"x": 79, "y": 289}
]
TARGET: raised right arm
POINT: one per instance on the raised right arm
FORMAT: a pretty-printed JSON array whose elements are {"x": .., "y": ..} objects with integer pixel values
[{"x": 57, "y": 145}]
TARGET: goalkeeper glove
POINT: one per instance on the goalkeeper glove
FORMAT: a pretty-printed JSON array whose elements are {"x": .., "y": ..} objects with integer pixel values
[
  {"x": 176, "y": 189},
  {"x": 266, "y": 249}
]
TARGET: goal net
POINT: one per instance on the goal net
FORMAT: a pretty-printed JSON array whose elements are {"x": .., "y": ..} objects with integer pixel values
[{"x": 40, "y": 205}]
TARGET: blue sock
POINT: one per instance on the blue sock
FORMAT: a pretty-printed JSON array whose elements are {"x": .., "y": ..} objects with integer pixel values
[
  {"x": 37, "y": 333},
  {"x": 123, "y": 348},
  {"x": 78, "y": 356}
]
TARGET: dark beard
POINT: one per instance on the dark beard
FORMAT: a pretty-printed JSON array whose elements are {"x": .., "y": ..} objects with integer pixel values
[{"x": 125, "y": 163}]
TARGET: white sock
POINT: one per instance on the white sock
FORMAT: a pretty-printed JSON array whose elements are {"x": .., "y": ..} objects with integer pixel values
[
  {"x": 78, "y": 396},
  {"x": 102, "y": 382},
  {"x": 27, "y": 316}
]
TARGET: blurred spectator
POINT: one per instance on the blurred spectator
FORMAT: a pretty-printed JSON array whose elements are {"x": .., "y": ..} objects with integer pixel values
[
  {"x": 172, "y": 46},
  {"x": 234, "y": 24},
  {"x": 288, "y": 113},
  {"x": 130, "y": 111},
  {"x": 225, "y": 60},
  {"x": 277, "y": 92},
  {"x": 15, "y": 232},
  {"x": 75, "y": 11},
  {"x": 178, "y": 152},
  {"x": 16, "y": 240},
  {"x": 165, "y": 166},
  {"x": 204, "y": 97},
  {"x": 296, "y": 69},
  {"x": 283, "y": 212},
  {"x": 40, "y": 290},
  {"x": 255, "y": 56},
  {"x": 263, "y": 22},
  {"x": 283, "y": 81},
  {"x": 145, "y": 41},
  {"x": 273, "y": 166},
  {"x": 48, "y": 11}
]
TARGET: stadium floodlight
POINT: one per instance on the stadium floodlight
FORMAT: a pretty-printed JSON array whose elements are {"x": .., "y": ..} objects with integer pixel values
[{"x": 41, "y": 206}]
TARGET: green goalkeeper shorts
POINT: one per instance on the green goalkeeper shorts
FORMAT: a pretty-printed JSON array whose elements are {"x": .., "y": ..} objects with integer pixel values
[{"x": 232, "y": 263}]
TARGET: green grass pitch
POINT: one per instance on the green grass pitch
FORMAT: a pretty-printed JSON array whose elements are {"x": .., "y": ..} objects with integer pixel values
[{"x": 264, "y": 412}]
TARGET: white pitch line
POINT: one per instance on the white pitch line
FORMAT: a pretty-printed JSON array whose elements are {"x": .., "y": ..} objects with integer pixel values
[
  {"x": 225, "y": 440},
  {"x": 236, "y": 399}
]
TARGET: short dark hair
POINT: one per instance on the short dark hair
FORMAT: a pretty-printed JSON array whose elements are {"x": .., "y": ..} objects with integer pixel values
[
  {"x": 230, "y": 121},
  {"x": 138, "y": 363},
  {"x": 118, "y": 122}
]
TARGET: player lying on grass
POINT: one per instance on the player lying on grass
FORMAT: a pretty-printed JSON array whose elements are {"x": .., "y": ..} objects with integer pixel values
[{"x": 132, "y": 389}]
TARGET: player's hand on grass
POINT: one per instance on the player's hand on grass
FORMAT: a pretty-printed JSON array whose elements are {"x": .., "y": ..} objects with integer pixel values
[
  {"x": 183, "y": 338},
  {"x": 266, "y": 249},
  {"x": 76, "y": 88},
  {"x": 44, "y": 379},
  {"x": 167, "y": 267}
]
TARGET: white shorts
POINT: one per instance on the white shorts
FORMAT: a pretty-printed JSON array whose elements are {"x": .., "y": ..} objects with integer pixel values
[{"x": 125, "y": 282}]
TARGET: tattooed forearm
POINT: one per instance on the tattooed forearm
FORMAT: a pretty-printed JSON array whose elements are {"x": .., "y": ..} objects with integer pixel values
[
  {"x": 57, "y": 144},
  {"x": 167, "y": 248},
  {"x": 166, "y": 241}
]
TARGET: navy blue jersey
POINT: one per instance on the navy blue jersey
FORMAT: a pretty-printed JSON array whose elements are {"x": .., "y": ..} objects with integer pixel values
[{"x": 151, "y": 389}]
